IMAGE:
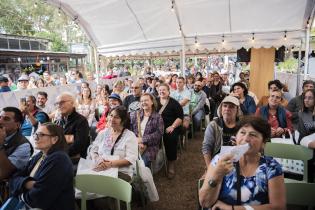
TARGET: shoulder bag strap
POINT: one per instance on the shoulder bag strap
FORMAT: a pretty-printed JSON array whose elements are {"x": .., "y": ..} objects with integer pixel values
[
  {"x": 117, "y": 140},
  {"x": 238, "y": 183},
  {"x": 138, "y": 123}
]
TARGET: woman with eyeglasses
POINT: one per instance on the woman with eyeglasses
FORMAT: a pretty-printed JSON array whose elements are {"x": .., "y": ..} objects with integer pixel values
[
  {"x": 277, "y": 116},
  {"x": 47, "y": 181}
]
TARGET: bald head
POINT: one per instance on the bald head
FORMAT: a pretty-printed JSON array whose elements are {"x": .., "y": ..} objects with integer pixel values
[{"x": 65, "y": 103}]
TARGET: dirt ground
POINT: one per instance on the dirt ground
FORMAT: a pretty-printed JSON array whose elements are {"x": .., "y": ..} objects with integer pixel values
[{"x": 181, "y": 192}]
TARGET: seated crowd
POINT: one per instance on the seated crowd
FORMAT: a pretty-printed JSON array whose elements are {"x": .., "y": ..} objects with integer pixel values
[{"x": 132, "y": 119}]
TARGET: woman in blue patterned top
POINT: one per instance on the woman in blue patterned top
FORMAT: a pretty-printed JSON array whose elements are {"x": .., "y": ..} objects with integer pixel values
[{"x": 261, "y": 178}]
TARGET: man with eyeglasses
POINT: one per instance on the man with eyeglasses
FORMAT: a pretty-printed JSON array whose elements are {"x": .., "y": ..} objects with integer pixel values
[
  {"x": 15, "y": 149},
  {"x": 132, "y": 102},
  {"x": 76, "y": 127},
  {"x": 197, "y": 103}
]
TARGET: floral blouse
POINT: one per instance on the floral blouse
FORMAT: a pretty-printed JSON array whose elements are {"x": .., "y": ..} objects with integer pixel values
[{"x": 254, "y": 189}]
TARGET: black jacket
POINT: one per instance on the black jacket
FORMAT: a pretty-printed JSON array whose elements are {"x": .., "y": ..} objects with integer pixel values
[
  {"x": 53, "y": 188},
  {"x": 78, "y": 126}
]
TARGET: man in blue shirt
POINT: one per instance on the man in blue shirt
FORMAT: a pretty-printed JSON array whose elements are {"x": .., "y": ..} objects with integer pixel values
[
  {"x": 15, "y": 149},
  {"x": 4, "y": 84}
]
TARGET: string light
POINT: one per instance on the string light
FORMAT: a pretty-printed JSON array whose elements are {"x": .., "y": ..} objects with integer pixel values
[
  {"x": 59, "y": 11},
  {"x": 308, "y": 23},
  {"x": 35, "y": 4},
  {"x": 285, "y": 36},
  {"x": 173, "y": 5},
  {"x": 196, "y": 41},
  {"x": 180, "y": 29},
  {"x": 223, "y": 41},
  {"x": 253, "y": 37}
]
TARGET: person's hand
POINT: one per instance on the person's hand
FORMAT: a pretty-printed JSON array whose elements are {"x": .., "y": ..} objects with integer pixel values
[
  {"x": 69, "y": 138},
  {"x": 139, "y": 140},
  {"x": 142, "y": 148},
  {"x": 222, "y": 206},
  {"x": 279, "y": 131},
  {"x": 103, "y": 165},
  {"x": 235, "y": 95},
  {"x": 24, "y": 108},
  {"x": 170, "y": 129},
  {"x": 273, "y": 132},
  {"x": 224, "y": 165},
  {"x": 3, "y": 134},
  {"x": 29, "y": 184}
]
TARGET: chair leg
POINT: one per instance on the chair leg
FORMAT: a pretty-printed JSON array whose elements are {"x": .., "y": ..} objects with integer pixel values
[
  {"x": 118, "y": 204},
  {"x": 165, "y": 158}
]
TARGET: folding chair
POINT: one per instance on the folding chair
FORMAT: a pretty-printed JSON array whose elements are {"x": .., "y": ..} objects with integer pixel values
[
  {"x": 293, "y": 152},
  {"x": 104, "y": 185}
]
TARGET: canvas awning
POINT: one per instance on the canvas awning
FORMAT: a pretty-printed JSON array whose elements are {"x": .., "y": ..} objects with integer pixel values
[{"x": 130, "y": 27}]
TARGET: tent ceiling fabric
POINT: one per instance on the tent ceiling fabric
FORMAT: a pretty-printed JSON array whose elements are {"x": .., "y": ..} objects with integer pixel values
[{"x": 129, "y": 27}]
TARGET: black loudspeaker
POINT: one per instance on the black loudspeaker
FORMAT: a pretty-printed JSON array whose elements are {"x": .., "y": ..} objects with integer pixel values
[
  {"x": 280, "y": 54},
  {"x": 243, "y": 55},
  {"x": 296, "y": 54}
]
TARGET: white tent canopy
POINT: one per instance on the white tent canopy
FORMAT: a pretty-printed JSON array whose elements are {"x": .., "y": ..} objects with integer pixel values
[{"x": 129, "y": 27}]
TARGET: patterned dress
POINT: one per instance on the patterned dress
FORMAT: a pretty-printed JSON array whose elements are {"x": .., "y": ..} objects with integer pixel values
[{"x": 254, "y": 189}]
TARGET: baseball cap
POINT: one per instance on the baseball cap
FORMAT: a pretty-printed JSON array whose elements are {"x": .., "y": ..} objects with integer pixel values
[
  {"x": 232, "y": 100},
  {"x": 23, "y": 77},
  {"x": 114, "y": 96},
  {"x": 3, "y": 79}
]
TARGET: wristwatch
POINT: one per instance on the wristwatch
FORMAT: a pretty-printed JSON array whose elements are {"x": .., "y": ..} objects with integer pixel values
[{"x": 212, "y": 183}]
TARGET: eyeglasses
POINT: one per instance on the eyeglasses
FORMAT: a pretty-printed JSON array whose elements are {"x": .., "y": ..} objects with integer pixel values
[
  {"x": 309, "y": 98},
  {"x": 276, "y": 97},
  {"x": 60, "y": 103},
  {"x": 40, "y": 135}
]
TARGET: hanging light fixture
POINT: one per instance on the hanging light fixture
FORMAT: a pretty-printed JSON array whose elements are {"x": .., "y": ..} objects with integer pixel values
[
  {"x": 223, "y": 41},
  {"x": 35, "y": 4},
  {"x": 253, "y": 37},
  {"x": 308, "y": 23},
  {"x": 180, "y": 29},
  {"x": 196, "y": 41},
  {"x": 285, "y": 36},
  {"x": 173, "y": 6}
]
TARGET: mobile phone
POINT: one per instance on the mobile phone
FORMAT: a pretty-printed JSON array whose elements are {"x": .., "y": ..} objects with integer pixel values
[{"x": 23, "y": 101}]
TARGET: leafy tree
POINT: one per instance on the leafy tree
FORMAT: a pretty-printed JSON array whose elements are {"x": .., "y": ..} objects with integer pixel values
[{"x": 37, "y": 18}]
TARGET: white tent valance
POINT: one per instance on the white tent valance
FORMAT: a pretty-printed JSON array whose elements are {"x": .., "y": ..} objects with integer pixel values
[{"x": 129, "y": 27}]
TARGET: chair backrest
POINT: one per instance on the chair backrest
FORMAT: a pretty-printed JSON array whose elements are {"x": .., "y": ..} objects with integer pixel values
[
  {"x": 290, "y": 151},
  {"x": 103, "y": 185},
  {"x": 300, "y": 193}
]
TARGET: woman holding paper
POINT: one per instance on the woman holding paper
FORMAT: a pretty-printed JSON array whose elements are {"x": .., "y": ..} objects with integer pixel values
[
  {"x": 255, "y": 181},
  {"x": 306, "y": 126},
  {"x": 148, "y": 126},
  {"x": 115, "y": 140}
]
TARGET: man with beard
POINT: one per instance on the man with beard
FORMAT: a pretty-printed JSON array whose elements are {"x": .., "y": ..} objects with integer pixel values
[{"x": 197, "y": 103}]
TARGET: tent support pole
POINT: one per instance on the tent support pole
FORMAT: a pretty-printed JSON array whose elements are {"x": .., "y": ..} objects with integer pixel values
[
  {"x": 307, "y": 50},
  {"x": 96, "y": 65},
  {"x": 298, "y": 75},
  {"x": 183, "y": 61}
]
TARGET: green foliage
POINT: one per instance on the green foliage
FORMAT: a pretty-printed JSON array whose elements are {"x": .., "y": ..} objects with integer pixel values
[
  {"x": 289, "y": 65},
  {"x": 35, "y": 18}
]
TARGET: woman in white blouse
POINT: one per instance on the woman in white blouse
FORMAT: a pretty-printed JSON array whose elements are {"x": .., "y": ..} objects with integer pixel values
[{"x": 115, "y": 140}]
